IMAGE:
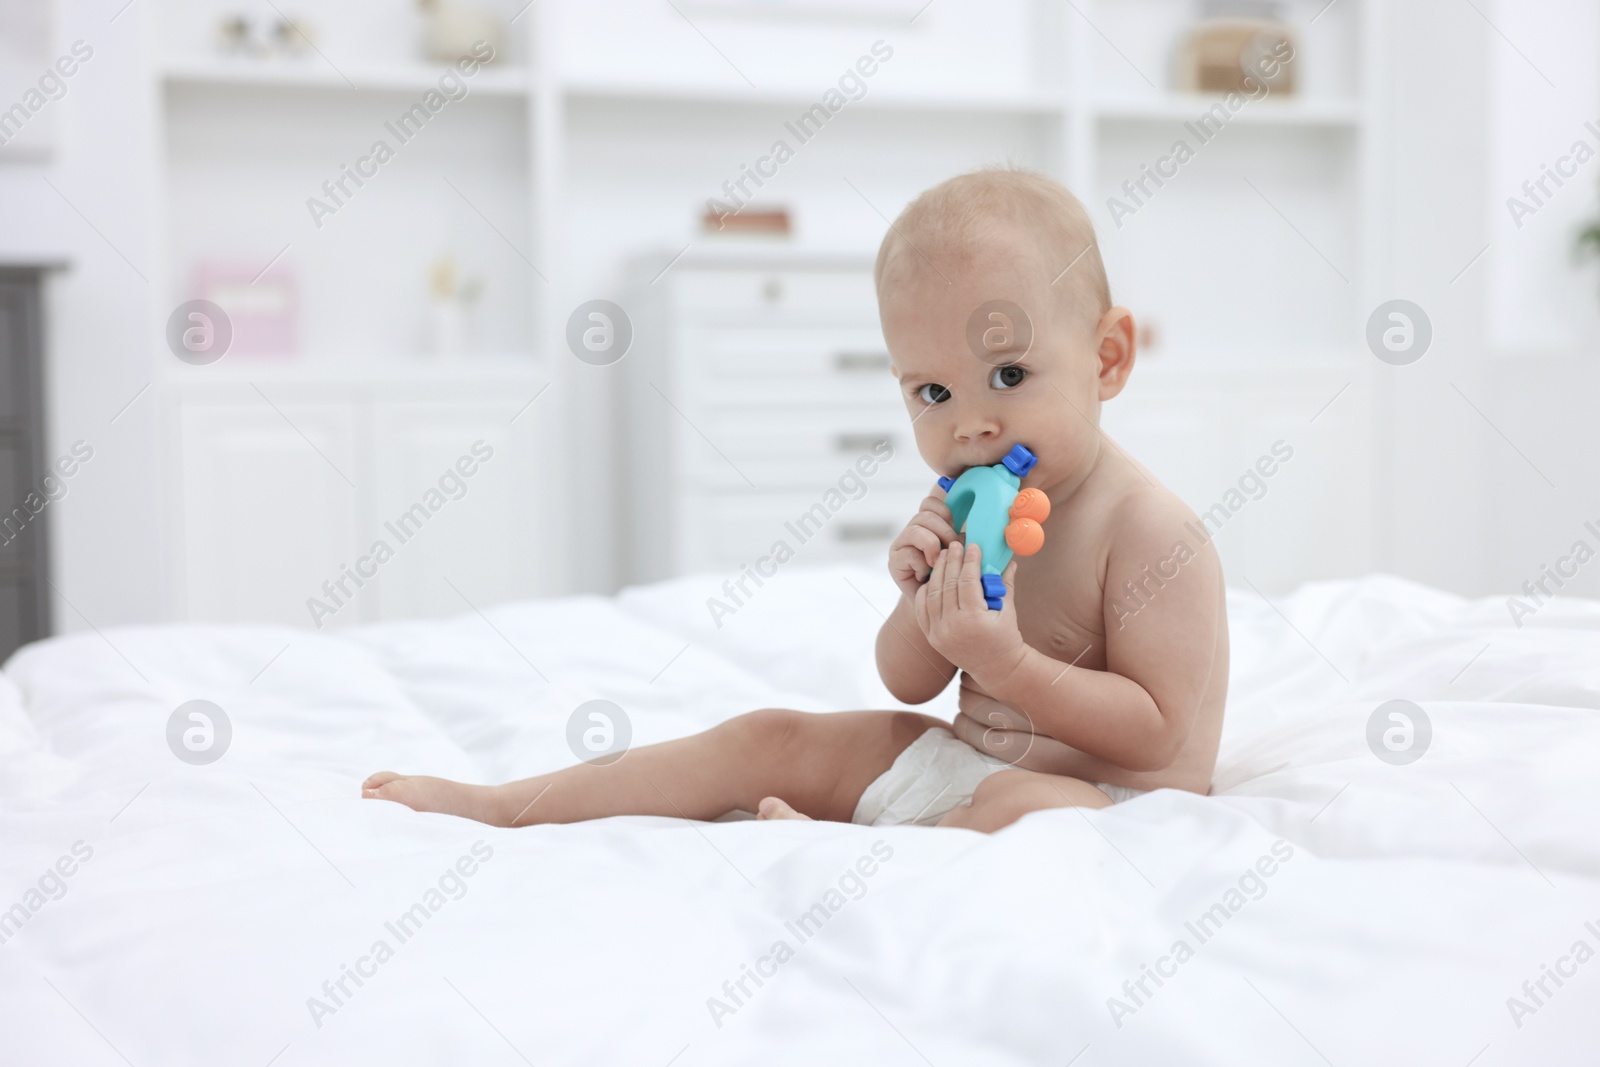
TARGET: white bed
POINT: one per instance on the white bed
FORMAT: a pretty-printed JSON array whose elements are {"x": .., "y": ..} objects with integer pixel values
[{"x": 216, "y": 900}]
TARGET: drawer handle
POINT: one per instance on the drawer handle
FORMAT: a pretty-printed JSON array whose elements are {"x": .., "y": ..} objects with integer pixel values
[
  {"x": 858, "y": 362},
  {"x": 866, "y": 531},
  {"x": 862, "y": 442}
]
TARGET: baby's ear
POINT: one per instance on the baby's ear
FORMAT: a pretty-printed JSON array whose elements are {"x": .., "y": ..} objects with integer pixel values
[{"x": 1118, "y": 339}]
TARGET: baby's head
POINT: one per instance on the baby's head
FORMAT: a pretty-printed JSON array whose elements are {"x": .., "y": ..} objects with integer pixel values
[{"x": 1000, "y": 325}]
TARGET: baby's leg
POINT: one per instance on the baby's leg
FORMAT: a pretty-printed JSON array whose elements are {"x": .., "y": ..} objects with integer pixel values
[
  {"x": 1006, "y": 796},
  {"x": 820, "y": 764}
]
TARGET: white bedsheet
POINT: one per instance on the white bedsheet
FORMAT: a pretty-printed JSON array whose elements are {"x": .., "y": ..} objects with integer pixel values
[{"x": 216, "y": 900}]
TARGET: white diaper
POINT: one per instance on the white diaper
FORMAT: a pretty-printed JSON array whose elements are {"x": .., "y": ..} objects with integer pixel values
[
  {"x": 1119, "y": 793},
  {"x": 935, "y": 775}
]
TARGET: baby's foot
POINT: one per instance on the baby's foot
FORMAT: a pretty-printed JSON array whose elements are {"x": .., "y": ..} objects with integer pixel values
[
  {"x": 421, "y": 793},
  {"x": 773, "y": 808}
]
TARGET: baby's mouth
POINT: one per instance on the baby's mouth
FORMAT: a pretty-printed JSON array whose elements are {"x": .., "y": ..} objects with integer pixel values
[
  {"x": 986, "y": 459},
  {"x": 997, "y": 456}
]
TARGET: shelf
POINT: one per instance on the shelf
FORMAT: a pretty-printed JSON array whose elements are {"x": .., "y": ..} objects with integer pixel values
[
  {"x": 407, "y": 370},
  {"x": 1186, "y": 107},
  {"x": 1027, "y": 104},
  {"x": 315, "y": 73}
]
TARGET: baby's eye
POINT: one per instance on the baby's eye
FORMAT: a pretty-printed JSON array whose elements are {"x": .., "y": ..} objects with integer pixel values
[
  {"x": 933, "y": 394},
  {"x": 1007, "y": 377}
]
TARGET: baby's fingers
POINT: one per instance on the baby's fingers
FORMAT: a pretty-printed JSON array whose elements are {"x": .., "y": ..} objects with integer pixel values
[
  {"x": 955, "y": 557},
  {"x": 935, "y": 585},
  {"x": 914, "y": 552},
  {"x": 926, "y": 542},
  {"x": 939, "y": 525},
  {"x": 969, "y": 582},
  {"x": 907, "y": 566},
  {"x": 1009, "y": 605}
]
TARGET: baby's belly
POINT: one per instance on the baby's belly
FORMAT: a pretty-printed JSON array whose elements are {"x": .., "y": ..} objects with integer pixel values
[{"x": 1005, "y": 733}]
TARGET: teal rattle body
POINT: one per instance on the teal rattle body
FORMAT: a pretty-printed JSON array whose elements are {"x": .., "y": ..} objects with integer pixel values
[{"x": 990, "y": 509}]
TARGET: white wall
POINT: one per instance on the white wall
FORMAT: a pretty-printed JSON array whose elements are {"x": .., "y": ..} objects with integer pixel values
[
  {"x": 1543, "y": 375},
  {"x": 1432, "y": 452}
]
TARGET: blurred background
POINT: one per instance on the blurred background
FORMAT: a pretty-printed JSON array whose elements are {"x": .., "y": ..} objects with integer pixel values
[{"x": 530, "y": 294}]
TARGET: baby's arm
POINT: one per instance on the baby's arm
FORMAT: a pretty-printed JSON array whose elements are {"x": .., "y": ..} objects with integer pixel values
[
  {"x": 910, "y": 667},
  {"x": 1137, "y": 713}
]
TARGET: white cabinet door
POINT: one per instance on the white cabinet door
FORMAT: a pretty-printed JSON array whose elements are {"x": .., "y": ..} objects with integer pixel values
[
  {"x": 460, "y": 500},
  {"x": 1280, "y": 477},
  {"x": 270, "y": 510}
]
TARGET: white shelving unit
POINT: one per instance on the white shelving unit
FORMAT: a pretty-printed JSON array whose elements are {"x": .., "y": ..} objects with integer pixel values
[
  {"x": 1254, "y": 267},
  {"x": 284, "y": 471}
]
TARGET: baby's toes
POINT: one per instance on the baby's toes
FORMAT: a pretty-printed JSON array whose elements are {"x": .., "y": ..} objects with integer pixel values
[
  {"x": 773, "y": 808},
  {"x": 370, "y": 787}
]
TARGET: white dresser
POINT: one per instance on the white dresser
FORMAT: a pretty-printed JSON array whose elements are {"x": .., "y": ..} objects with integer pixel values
[
  {"x": 760, "y": 410},
  {"x": 284, "y": 479}
]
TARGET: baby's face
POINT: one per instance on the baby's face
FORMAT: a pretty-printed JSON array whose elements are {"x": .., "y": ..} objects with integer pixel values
[{"x": 971, "y": 400}]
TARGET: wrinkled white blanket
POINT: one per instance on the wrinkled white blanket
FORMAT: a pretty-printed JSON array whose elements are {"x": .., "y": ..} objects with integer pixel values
[{"x": 1323, "y": 906}]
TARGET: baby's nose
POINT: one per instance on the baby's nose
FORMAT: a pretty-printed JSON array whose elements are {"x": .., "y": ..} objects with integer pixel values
[
  {"x": 977, "y": 427},
  {"x": 978, "y": 432}
]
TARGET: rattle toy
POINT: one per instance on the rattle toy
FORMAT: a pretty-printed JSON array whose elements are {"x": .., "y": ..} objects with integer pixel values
[{"x": 992, "y": 511}]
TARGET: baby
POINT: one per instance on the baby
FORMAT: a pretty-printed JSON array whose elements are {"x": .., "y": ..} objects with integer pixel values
[{"x": 1105, "y": 672}]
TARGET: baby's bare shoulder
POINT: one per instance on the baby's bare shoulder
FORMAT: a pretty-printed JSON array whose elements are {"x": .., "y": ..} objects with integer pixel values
[
  {"x": 1150, "y": 531},
  {"x": 1164, "y": 595},
  {"x": 1148, "y": 515}
]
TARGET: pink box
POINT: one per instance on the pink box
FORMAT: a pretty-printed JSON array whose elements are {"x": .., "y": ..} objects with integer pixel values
[{"x": 262, "y": 305}]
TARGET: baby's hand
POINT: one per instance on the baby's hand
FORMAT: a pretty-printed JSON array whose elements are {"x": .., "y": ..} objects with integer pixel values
[
  {"x": 954, "y": 616},
  {"x": 912, "y": 555}
]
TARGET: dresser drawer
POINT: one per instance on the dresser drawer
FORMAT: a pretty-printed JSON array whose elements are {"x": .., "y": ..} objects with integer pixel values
[
  {"x": 774, "y": 366},
  {"x": 761, "y": 379},
  {"x": 777, "y": 295},
  {"x": 802, "y": 449},
  {"x": 722, "y": 532}
]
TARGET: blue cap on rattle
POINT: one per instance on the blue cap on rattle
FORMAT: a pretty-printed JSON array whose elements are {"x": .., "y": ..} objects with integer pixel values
[{"x": 1020, "y": 461}]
